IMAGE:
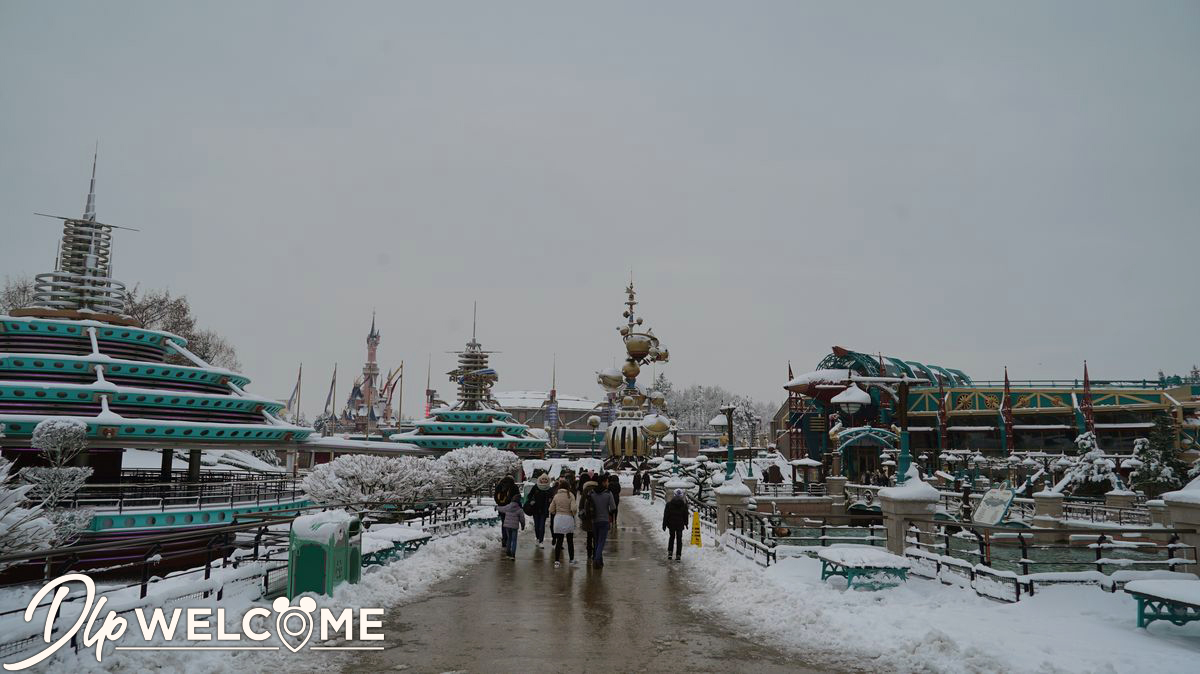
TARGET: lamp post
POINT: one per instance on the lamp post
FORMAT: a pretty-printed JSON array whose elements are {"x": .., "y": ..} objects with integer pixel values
[
  {"x": 905, "y": 458},
  {"x": 594, "y": 422},
  {"x": 675, "y": 453},
  {"x": 730, "y": 468}
]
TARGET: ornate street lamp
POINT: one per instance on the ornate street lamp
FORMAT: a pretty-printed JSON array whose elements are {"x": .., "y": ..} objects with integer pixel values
[
  {"x": 675, "y": 452},
  {"x": 852, "y": 399},
  {"x": 730, "y": 468},
  {"x": 593, "y": 421}
]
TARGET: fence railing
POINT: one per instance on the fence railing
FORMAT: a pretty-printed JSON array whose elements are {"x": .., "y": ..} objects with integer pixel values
[{"x": 1003, "y": 563}]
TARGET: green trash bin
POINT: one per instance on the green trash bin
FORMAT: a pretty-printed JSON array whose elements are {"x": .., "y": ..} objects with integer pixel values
[{"x": 324, "y": 550}]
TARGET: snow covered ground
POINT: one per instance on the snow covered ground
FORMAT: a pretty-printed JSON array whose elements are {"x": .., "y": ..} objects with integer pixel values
[
  {"x": 924, "y": 626},
  {"x": 388, "y": 587}
]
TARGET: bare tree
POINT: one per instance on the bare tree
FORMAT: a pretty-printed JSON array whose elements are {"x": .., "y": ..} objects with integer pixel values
[
  {"x": 160, "y": 310},
  {"x": 16, "y": 294}
]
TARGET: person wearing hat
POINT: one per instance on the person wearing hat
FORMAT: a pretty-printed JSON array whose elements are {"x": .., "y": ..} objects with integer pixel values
[
  {"x": 539, "y": 498},
  {"x": 675, "y": 520}
]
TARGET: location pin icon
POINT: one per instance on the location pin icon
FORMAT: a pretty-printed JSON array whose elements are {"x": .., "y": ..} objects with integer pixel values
[{"x": 294, "y": 623}]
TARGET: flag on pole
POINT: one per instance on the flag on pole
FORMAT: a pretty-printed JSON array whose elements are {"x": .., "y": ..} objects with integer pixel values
[
  {"x": 1085, "y": 405},
  {"x": 329, "y": 398},
  {"x": 1006, "y": 416},
  {"x": 293, "y": 404}
]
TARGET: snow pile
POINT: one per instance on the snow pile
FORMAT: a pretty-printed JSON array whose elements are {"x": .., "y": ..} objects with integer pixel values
[
  {"x": 817, "y": 377},
  {"x": 924, "y": 626},
  {"x": 1189, "y": 494},
  {"x": 319, "y": 527},
  {"x": 734, "y": 487},
  {"x": 913, "y": 489}
]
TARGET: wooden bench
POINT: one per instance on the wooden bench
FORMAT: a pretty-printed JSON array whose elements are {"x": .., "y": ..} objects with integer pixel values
[
  {"x": 1176, "y": 601},
  {"x": 864, "y": 563}
]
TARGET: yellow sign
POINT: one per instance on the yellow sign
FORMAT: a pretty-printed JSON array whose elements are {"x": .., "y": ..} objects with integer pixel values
[{"x": 696, "y": 529}]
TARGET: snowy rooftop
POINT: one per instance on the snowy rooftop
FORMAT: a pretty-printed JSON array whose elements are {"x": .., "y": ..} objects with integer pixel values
[{"x": 535, "y": 399}]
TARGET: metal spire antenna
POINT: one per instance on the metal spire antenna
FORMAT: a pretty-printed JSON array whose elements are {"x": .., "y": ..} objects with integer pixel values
[
  {"x": 89, "y": 209},
  {"x": 82, "y": 277}
]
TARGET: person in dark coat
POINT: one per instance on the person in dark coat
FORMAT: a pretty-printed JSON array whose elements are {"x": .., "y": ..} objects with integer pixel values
[
  {"x": 637, "y": 482},
  {"x": 614, "y": 488},
  {"x": 540, "y": 496},
  {"x": 675, "y": 520},
  {"x": 587, "y": 517}
]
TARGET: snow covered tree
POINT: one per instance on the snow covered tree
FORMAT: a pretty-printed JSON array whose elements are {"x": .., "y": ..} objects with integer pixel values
[
  {"x": 61, "y": 441},
  {"x": 267, "y": 456},
  {"x": 471, "y": 470},
  {"x": 22, "y": 529},
  {"x": 1090, "y": 473},
  {"x": 359, "y": 481},
  {"x": 1161, "y": 468}
]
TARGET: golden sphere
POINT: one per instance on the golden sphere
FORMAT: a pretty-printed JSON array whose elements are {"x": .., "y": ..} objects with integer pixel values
[{"x": 630, "y": 369}]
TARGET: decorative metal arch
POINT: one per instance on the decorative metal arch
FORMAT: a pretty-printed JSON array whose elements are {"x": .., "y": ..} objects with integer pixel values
[{"x": 848, "y": 436}]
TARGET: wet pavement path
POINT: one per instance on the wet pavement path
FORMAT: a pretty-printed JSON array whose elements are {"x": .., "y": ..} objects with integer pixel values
[{"x": 631, "y": 615}]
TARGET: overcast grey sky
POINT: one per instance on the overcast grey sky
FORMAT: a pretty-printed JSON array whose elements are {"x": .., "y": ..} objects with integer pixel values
[{"x": 974, "y": 185}]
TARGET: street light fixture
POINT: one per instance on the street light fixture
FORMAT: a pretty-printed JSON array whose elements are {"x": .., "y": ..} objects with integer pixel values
[
  {"x": 730, "y": 468},
  {"x": 675, "y": 452},
  {"x": 852, "y": 399},
  {"x": 594, "y": 422}
]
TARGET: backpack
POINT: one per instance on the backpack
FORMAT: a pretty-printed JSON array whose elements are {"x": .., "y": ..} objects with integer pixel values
[{"x": 587, "y": 509}]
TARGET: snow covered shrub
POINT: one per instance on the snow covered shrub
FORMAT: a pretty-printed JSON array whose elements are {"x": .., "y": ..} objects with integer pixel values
[
  {"x": 355, "y": 481},
  {"x": 420, "y": 478},
  {"x": 472, "y": 470},
  {"x": 22, "y": 529}
]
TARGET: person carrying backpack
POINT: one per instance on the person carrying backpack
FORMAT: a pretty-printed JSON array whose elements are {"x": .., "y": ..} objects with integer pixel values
[
  {"x": 604, "y": 509},
  {"x": 587, "y": 515},
  {"x": 675, "y": 520}
]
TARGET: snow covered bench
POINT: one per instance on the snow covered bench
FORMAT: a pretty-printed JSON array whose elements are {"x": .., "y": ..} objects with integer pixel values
[
  {"x": 1177, "y": 601},
  {"x": 382, "y": 544},
  {"x": 483, "y": 518},
  {"x": 862, "y": 562}
]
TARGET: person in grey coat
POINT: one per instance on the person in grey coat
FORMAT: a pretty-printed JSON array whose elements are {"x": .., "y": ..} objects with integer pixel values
[
  {"x": 514, "y": 516},
  {"x": 604, "y": 509}
]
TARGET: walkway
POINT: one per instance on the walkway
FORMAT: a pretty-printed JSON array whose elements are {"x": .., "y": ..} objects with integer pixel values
[{"x": 527, "y": 616}]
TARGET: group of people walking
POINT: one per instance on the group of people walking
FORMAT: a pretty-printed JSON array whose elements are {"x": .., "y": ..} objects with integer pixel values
[
  {"x": 641, "y": 480},
  {"x": 589, "y": 503}
]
